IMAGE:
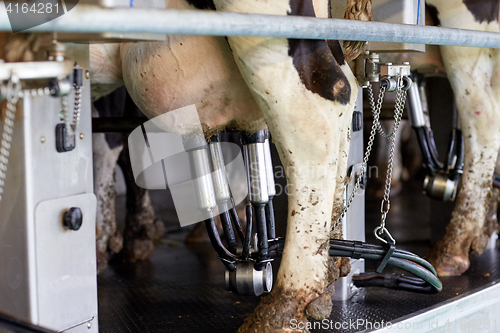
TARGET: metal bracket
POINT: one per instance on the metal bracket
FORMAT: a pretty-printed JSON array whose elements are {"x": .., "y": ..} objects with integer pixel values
[{"x": 35, "y": 70}]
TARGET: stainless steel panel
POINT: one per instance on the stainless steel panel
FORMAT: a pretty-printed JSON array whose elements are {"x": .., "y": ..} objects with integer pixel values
[
  {"x": 390, "y": 11},
  {"x": 37, "y": 173},
  {"x": 65, "y": 263},
  {"x": 353, "y": 225},
  {"x": 402, "y": 12}
]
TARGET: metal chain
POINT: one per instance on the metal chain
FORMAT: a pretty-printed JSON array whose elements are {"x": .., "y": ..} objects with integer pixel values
[
  {"x": 13, "y": 94},
  {"x": 398, "y": 114},
  {"x": 376, "y": 109},
  {"x": 70, "y": 122},
  {"x": 361, "y": 172},
  {"x": 67, "y": 119},
  {"x": 78, "y": 106}
]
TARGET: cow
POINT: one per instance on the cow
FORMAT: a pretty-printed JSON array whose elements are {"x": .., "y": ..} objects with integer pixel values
[
  {"x": 279, "y": 74},
  {"x": 474, "y": 75},
  {"x": 303, "y": 90},
  {"x": 141, "y": 225}
]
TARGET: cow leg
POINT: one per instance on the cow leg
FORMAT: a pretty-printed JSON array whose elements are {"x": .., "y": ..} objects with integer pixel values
[
  {"x": 141, "y": 224},
  {"x": 306, "y": 129},
  {"x": 474, "y": 75},
  {"x": 337, "y": 267},
  {"x": 105, "y": 159}
]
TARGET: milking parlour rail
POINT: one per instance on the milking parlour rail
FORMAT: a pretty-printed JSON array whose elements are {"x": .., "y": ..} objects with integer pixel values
[{"x": 92, "y": 19}]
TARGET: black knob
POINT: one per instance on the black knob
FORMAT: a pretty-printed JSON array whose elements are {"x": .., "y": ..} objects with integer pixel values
[{"x": 73, "y": 218}]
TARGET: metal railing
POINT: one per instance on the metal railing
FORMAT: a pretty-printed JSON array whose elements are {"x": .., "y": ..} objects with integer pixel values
[{"x": 93, "y": 19}]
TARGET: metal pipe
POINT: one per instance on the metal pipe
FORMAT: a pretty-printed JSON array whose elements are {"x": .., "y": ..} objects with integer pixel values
[{"x": 92, "y": 19}]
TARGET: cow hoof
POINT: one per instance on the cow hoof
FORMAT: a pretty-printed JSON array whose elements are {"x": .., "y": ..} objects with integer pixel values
[
  {"x": 140, "y": 249},
  {"x": 115, "y": 243},
  {"x": 102, "y": 261},
  {"x": 320, "y": 308},
  {"x": 159, "y": 229},
  {"x": 450, "y": 265},
  {"x": 280, "y": 311}
]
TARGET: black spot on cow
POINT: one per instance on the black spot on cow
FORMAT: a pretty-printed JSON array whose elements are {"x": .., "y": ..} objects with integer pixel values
[
  {"x": 202, "y": 4},
  {"x": 433, "y": 13},
  {"x": 483, "y": 10},
  {"x": 318, "y": 61}
]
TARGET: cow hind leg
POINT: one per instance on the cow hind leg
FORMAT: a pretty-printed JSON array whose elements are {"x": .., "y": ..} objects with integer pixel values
[
  {"x": 141, "y": 225},
  {"x": 474, "y": 74},
  {"x": 337, "y": 267},
  {"x": 107, "y": 236},
  {"x": 306, "y": 128}
]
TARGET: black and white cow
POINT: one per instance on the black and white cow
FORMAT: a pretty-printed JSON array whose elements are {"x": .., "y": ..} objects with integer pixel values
[
  {"x": 474, "y": 74},
  {"x": 302, "y": 89},
  {"x": 109, "y": 150}
]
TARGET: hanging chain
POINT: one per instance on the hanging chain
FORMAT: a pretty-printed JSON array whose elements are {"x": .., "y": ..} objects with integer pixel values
[
  {"x": 386, "y": 204},
  {"x": 376, "y": 109},
  {"x": 67, "y": 119},
  {"x": 13, "y": 94},
  {"x": 71, "y": 121},
  {"x": 78, "y": 106},
  {"x": 362, "y": 172}
]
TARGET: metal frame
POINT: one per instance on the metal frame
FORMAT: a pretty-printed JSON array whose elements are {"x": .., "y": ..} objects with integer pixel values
[
  {"x": 92, "y": 19},
  {"x": 477, "y": 310}
]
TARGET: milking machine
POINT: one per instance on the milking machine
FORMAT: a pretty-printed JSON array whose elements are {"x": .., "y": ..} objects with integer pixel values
[
  {"x": 248, "y": 268},
  {"x": 441, "y": 181}
]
